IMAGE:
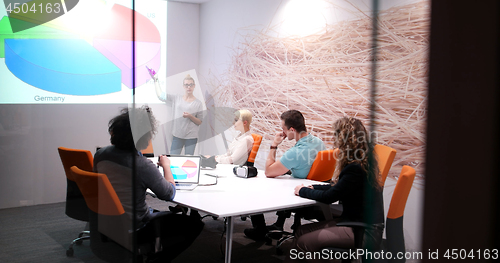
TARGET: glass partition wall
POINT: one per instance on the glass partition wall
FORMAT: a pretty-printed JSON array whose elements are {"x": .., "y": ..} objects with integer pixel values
[
  {"x": 329, "y": 59},
  {"x": 66, "y": 69},
  {"x": 65, "y": 76}
]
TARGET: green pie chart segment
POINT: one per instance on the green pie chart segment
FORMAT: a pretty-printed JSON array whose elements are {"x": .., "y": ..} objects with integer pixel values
[{"x": 35, "y": 32}]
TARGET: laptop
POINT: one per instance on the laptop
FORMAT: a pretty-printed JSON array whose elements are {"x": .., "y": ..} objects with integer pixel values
[{"x": 185, "y": 170}]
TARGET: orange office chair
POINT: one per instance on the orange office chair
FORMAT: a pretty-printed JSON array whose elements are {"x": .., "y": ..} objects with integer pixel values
[
  {"x": 323, "y": 166},
  {"x": 148, "y": 152},
  {"x": 98, "y": 192},
  {"x": 394, "y": 223},
  {"x": 385, "y": 157},
  {"x": 109, "y": 220},
  {"x": 76, "y": 207},
  {"x": 257, "y": 139}
]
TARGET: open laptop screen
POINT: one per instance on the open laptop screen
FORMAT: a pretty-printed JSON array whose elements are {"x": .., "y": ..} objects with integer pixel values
[{"x": 185, "y": 169}]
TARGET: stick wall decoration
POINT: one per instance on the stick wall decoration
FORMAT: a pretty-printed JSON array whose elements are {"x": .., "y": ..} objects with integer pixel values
[{"x": 326, "y": 76}]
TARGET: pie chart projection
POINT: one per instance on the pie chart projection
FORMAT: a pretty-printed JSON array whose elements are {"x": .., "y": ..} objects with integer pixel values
[
  {"x": 58, "y": 60},
  {"x": 188, "y": 169}
]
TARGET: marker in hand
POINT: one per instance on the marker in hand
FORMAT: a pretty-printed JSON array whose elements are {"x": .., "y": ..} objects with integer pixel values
[{"x": 151, "y": 72}]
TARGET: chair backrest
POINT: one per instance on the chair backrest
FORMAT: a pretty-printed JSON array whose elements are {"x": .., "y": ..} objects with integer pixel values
[
  {"x": 401, "y": 192},
  {"x": 110, "y": 218},
  {"x": 76, "y": 207},
  {"x": 98, "y": 192},
  {"x": 257, "y": 139},
  {"x": 148, "y": 152},
  {"x": 394, "y": 224},
  {"x": 74, "y": 157},
  {"x": 385, "y": 157},
  {"x": 323, "y": 166}
]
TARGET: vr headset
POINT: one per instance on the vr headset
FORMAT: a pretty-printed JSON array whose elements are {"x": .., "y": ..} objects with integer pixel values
[{"x": 245, "y": 171}]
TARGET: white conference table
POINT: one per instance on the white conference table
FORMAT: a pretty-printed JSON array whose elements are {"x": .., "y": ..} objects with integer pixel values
[{"x": 234, "y": 196}]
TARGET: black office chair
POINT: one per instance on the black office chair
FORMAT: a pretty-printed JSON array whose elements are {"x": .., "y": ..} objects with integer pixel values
[{"x": 76, "y": 207}]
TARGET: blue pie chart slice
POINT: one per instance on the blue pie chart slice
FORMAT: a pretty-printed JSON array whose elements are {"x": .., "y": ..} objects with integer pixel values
[
  {"x": 66, "y": 66},
  {"x": 178, "y": 173}
]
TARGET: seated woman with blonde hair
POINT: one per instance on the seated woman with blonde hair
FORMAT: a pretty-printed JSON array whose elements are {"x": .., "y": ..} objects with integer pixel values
[{"x": 241, "y": 146}]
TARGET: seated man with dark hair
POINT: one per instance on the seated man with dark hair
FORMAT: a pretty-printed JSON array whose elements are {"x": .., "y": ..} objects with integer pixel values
[
  {"x": 131, "y": 132},
  {"x": 297, "y": 159}
]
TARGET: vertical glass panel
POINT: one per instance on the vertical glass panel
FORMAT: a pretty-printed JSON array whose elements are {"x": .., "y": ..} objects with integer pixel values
[
  {"x": 401, "y": 80},
  {"x": 66, "y": 74},
  {"x": 316, "y": 57},
  {"x": 66, "y": 69}
]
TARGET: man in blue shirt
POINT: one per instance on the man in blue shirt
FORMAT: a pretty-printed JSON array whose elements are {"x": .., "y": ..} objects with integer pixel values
[{"x": 298, "y": 160}]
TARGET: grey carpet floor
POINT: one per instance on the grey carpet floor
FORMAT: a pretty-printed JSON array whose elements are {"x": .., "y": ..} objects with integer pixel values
[{"x": 42, "y": 233}]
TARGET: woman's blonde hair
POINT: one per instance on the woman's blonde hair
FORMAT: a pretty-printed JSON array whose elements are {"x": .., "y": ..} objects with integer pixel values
[
  {"x": 244, "y": 115},
  {"x": 188, "y": 77},
  {"x": 353, "y": 141}
]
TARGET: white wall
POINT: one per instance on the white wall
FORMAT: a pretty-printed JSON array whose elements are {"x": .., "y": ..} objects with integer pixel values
[
  {"x": 31, "y": 171},
  {"x": 182, "y": 37},
  {"x": 223, "y": 23}
]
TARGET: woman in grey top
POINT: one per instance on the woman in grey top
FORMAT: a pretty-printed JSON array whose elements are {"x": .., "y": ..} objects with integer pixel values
[{"x": 187, "y": 114}]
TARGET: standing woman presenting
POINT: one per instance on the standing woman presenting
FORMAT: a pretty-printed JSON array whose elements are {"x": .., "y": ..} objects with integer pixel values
[{"x": 187, "y": 114}]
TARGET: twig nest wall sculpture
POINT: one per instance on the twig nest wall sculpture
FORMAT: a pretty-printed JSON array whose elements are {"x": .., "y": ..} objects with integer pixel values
[{"x": 326, "y": 76}]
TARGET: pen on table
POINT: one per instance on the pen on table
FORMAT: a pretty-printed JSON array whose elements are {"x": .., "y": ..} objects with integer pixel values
[{"x": 213, "y": 175}]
